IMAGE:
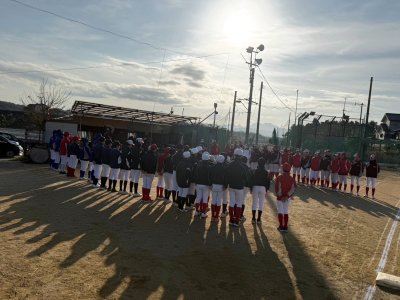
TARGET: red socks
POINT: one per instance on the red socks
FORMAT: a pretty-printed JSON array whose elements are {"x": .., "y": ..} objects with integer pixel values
[
  {"x": 366, "y": 191},
  {"x": 280, "y": 219},
  {"x": 231, "y": 216},
  {"x": 358, "y": 188},
  {"x": 373, "y": 192},
  {"x": 351, "y": 187},
  {"x": 285, "y": 220},
  {"x": 298, "y": 178}
]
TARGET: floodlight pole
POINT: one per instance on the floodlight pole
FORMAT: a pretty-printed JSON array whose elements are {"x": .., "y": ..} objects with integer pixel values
[
  {"x": 367, "y": 118},
  {"x": 257, "y": 62},
  {"x": 250, "y": 102}
]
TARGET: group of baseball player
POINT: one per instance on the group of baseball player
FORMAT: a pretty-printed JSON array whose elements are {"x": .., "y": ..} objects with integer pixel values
[
  {"x": 191, "y": 177},
  {"x": 194, "y": 179},
  {"x": 325, "y": 169}
]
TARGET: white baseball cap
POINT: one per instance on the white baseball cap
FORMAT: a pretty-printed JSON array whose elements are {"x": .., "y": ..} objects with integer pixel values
[
  {"x": 186, "y": 154},
  {"x": 129, "y": 142},
  {"x": 220, "y": 159},
  {"x": 205, "y": 156},
  {"x": 238, "y": 151},
  {"x": 194, "y": 150}
]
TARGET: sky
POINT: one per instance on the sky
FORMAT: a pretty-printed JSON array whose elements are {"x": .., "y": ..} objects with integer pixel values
[{"x": 160, "y": 55}]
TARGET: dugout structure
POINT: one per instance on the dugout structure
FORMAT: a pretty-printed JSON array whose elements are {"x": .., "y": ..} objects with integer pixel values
[{"x": 121, "y": 122}]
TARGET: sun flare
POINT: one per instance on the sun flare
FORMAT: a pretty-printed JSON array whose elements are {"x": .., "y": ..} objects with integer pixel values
[{"x": 237, "y": 27}]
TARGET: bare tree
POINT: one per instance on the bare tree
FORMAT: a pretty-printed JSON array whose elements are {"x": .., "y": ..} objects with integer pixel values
[{"x": 45, "y": 104}]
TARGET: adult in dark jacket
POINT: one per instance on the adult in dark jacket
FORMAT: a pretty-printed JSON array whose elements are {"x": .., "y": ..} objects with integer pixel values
[
  {"x": 97, "y": 164},
  {"x": 203, "y": 185},
  {"x": 148, "y": 167},
  {"x": 236, "y": 177},
  {"x": 260, "y": 185},
  {"x": 115, "y": 165},
  {"x": 356, "y": 171},
  {"x": 126, "y": 158},
  {"x": 168, "y": 174},
  {"x": 137, "y": 152},
  {"x": 183, "y": 175},
  {"x": 217, "y": 179},
  {"x": 372, "y": 170},
  {"x": 105, "y": 162}
]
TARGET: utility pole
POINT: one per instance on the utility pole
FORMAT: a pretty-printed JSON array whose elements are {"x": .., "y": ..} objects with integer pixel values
[
  {"x": 287, "y": 133},
  {"x": 295, "y": 112},
  {"x": 259, "y": 113},
  {"x": 250, "y": 101},
  {"x": 367, "y": 118},
  {"x": 233, "y": 114},
  {"x": 252, "y": 65}
]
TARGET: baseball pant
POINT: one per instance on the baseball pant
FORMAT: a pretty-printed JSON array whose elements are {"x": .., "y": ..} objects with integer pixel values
[
  {"x": 355, "y": 180},
  {"x": 217, "y": 191},
  {"x": 114, "y": 173},
  {"x": 235, "y": 197},
  {"x": 105, "y": 172},
  {"x": 371, "y": 182},
  {"x": 72, "y": 161},
  {"x": 124, "y": 175},
  {"x": 97, "y": 170},
  {"x": 174, "y": 183},
  {"x": 283, "y": 207},
  {"x": 135, "y": 175},
  {"x": 259, "y": 194},
  {"x": 168, "y": 181},
  {"x": 203, "y": 192},
  {"x": 183, "y": 192},
  {"x": 160, "y": 182},
  {"x": 147, "y": 180}
]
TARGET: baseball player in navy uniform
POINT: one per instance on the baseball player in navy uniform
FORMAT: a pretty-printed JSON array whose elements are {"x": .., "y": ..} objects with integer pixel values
[{"x": 260, "y": 185}]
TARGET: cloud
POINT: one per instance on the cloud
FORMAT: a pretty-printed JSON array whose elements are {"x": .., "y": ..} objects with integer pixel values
[{"x": 189, "y": 71}]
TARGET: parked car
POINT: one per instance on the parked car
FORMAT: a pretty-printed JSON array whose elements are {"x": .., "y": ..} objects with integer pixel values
[
  {"x": 12, "y": 137},
  {"x": 10, "y": 148}
]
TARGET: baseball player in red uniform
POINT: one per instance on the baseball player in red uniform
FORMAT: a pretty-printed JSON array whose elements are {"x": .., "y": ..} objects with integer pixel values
[
  {"x": 335, "y": 166},
  {"x": 315, "y": 168},
  {"x": 296, "y": 160},
  {"x": 344, "y": 168},
  {"x": 285, "y": 186}
]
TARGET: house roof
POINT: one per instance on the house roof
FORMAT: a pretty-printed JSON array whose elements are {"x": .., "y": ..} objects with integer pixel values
[
  {"x": 392, "y": 117},
  {"x": 82, "y": 108}
]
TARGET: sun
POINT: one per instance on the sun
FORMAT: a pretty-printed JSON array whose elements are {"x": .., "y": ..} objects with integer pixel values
[{"x": 237, "y": 27}]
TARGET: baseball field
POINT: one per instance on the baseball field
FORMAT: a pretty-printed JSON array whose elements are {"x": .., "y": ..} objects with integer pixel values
[{"x": 62, "y": 239}]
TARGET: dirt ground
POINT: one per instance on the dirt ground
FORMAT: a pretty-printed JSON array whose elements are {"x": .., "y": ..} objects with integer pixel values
[{"x": 62, "y": 239}]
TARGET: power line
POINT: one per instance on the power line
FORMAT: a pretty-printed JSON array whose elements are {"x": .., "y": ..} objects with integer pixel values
[
  {"x": 273, "y": 91},
  {"x": 151, "y": 45}
]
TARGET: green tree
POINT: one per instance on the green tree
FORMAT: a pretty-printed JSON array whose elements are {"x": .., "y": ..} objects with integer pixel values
[{"x": 275, "y": 140}]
